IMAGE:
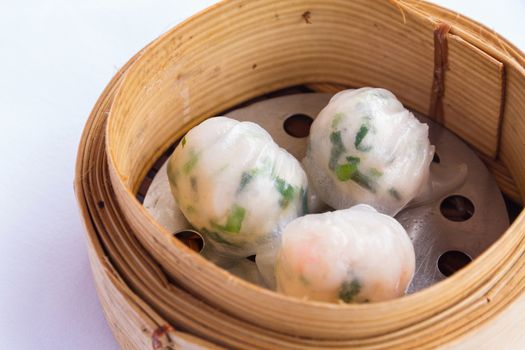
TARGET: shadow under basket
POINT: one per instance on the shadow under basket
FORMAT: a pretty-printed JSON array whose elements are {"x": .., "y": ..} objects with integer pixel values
[{"x": 159, "y": 294}]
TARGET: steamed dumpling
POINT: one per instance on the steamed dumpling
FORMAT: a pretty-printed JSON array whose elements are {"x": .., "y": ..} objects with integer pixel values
[
  {"x": 365, "y": 147},
  {"x": 235, "y": 185},
  {"x": 352, "y": 255}
]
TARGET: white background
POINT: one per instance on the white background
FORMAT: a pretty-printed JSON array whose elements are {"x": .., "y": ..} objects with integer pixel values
[{"x": 56, "y": 56}]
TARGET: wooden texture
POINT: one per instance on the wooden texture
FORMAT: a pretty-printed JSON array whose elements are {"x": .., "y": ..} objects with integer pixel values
[
  {"x": 134, "y": 323},
  {"x": 473, "y": 95},
  {"x": 157, "y": 293},
  {"x": 503, "y": 177}
]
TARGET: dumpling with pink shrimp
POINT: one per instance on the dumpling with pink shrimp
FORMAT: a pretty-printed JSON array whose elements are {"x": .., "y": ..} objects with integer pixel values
[{"x": 353, "y": 255}]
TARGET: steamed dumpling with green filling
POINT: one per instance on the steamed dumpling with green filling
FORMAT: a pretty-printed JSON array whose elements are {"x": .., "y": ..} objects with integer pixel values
[
  {"x": 365, "y": 147},
  {"x": 235, "y": 185},
  {"x": 354, "y": 255}
]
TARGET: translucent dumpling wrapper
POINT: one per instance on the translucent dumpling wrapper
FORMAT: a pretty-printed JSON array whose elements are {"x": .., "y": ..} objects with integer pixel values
[
  {"x": 365, "y": 147},
  {"x": 235, "y": 185},
  {"x": 354, "y": 255}
]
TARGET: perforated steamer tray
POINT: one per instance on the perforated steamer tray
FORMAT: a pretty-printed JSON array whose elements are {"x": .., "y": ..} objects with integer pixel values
[{"x": 464, "y": 215}]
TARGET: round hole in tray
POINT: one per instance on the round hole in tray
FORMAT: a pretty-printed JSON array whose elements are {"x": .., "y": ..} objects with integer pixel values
[
  {"x": 298, "y": 125},
  {"x": 191, "y": 239},
  {"x": 452, "y": 261},
  {"x": 457, "y": 208},
  {"x": 436, "y": 158}
]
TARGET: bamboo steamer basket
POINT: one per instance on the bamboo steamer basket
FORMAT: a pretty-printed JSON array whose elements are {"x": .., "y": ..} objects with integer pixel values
[{"x": 157, "y": 293}]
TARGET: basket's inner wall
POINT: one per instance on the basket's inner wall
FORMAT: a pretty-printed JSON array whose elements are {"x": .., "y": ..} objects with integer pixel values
[
  {"x": 473, "y": 95},
  {"x": 512, "y": 147}
]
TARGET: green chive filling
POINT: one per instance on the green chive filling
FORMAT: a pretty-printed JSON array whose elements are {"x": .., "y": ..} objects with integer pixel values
[
  {"x": 286, "y": 190},
  {"x": 234, "y": 220},
  {"x": 394, "y": 193},
  {"x": 183, "y": 142},
  {"x": 350, "y": 171},
  {"x": 353, "y": 160},
  {"x": 361, "y": 134},
  {"x": 346, "y": 171},
  {"x": 364, "y": 181},
  {"x": 338, "y": 148},
  {"x": 190, "y": 164},
  {"x": 349, "y": 290},
  {"x": 246, "y": 178}
]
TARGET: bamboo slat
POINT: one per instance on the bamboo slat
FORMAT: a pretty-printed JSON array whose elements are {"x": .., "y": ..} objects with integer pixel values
[{"x": 473, "y": 76}]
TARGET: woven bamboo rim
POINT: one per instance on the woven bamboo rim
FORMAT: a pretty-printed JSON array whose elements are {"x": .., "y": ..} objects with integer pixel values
[{"x": 156, "y": 292}]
